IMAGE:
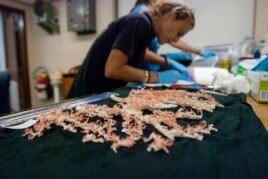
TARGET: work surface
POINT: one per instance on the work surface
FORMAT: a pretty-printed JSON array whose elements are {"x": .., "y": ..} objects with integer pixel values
[
  {"x": 238, "y": 150},
  {"x": 261, "y": 110}
]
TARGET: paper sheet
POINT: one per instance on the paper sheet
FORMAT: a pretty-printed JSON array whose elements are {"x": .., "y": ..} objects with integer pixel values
[{"x": 204, "y": 75}]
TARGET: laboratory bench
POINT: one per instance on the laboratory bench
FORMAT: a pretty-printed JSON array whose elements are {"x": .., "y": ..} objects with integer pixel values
[
  {"x": 238, "y": 150},
  {"x": 261, "y": 110}
]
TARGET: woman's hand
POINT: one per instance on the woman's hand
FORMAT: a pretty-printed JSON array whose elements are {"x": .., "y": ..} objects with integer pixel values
[{"x": 179, "y": 67}]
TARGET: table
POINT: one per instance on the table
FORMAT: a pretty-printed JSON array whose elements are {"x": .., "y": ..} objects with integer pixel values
[
  {"x": 238, "y": 150},
  {"x": 261, "y": 110}
]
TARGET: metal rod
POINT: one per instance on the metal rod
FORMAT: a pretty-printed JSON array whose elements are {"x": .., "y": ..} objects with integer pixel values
[{"x": 23, "y": 116}]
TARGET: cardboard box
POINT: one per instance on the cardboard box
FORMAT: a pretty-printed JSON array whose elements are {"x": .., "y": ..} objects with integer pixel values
[{"x": 259, "y": 85}]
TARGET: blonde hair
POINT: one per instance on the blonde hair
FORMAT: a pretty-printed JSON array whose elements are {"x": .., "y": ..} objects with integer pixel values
[{"x": 182, "y": 11}]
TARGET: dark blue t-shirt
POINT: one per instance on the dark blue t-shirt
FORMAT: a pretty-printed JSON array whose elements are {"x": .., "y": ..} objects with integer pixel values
[{"x": 131, "y": 34}]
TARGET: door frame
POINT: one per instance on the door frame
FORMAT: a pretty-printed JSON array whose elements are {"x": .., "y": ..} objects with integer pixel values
[{"x": 21, "y": 46}]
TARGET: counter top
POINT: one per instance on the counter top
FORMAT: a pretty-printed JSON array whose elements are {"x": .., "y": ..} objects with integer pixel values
[{"x": 261, "y": 110}]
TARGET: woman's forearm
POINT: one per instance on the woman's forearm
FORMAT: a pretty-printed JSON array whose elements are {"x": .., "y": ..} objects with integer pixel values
[
  {"x": 185, "y": 47},
  {"x": 119, "y": 70},
  {"x": 153, "y": 58}
]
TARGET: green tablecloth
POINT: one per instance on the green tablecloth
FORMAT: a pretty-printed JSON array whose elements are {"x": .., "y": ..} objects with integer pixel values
[{"x": 238, "y": 150}]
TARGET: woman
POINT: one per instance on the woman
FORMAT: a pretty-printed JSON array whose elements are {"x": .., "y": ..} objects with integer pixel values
[
  {"x": 115, "y": 56},
  {"x": 185, "y": 58}
]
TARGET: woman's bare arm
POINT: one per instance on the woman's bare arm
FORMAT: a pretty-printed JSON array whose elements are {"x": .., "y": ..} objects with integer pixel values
[
  {"x": 185, "y": 47},
  {"x": 117, "y": 68}
]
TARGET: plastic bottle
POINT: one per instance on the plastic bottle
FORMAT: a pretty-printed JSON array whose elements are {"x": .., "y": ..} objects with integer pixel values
[
  {"x": 225, "y": 61},
  {"x": 248, "y": 47},
  {"x": 235, "y": 54},
  {"x": 266, "y": 42},
  {"x": 264, "y": 51},
  {"x": 257, "y": 53},
  {"x": 266, "y": 36}
]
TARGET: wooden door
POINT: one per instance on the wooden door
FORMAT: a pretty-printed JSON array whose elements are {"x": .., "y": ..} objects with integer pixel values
[{"x": 16, "y": 56}]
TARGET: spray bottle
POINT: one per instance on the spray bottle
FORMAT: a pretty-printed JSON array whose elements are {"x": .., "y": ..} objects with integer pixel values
[{"x": 264, "y": 50}]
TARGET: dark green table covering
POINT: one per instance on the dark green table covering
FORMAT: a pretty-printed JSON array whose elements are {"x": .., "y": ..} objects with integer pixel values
[{"x": 238, "y": 150}]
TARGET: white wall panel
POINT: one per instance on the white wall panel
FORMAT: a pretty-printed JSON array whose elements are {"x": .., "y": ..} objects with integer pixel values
[{"x": 217, "y": 21}]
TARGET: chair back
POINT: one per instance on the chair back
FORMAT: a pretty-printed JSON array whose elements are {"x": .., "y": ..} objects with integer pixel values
[{"x": 4, "y": 92}]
